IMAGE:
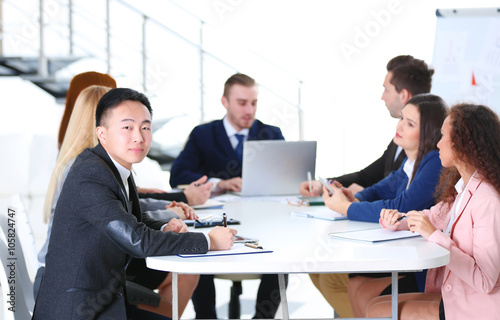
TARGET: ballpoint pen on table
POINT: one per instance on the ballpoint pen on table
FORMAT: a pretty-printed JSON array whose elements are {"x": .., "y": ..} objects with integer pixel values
[
  {"x": 301, "y": 214},
  {"x": 224, "y": 219},
  {"x": 253, "y": 245}
]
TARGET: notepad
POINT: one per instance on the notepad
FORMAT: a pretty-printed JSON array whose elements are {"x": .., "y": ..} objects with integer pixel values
[
  {"x": 209, "y": 204},
  {"x": 237, "y": 249},
  {"x": 318, "y": 213},
  {"x": 374, "y": 235}
]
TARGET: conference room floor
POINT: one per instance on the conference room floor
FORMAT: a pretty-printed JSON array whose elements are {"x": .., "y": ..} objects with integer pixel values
[{"x": 304, "y": 300}]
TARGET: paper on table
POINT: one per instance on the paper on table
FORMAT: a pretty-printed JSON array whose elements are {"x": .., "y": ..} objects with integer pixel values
[
  {"x": 230, "y": 197},
  {"x": 209, "y": 204},
  {"x": 238, "y": 248},
  {"x": 374, "y": 235},
  {"x": 318, "y": 213}
]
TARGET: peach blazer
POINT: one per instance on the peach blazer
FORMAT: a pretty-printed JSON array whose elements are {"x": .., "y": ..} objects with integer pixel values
[{"x": 470, "y": 283}]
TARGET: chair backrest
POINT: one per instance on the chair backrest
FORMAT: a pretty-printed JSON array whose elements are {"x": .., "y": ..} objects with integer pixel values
[
  {"x": 25, "y": 236},
  {"x": 12, "y": 273},
  {"x": 14, "y": 226}
]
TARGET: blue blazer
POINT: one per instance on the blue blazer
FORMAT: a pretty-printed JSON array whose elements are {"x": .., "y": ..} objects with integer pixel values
[
  {"x": 96, "y": 230},
  {"x": 391, "y": 192},
  {"x": 208, "y": 151}
]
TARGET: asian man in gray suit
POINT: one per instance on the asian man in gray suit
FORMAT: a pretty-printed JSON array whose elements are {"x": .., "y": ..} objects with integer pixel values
[{"x": 98, "y": 226}]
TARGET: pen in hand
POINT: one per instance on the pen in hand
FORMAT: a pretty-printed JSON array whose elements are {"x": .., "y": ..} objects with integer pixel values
[
  {"x": 401, "y": 218},
  {"x": 309, "y": 179},
  {"x": 224, "y": 219}
]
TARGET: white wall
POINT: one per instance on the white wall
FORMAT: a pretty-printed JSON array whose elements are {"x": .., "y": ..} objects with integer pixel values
[
  {"x": 341, "y": 94},
  {"x": 28, "y": 134},
  {"x": 341, "y": 98}
]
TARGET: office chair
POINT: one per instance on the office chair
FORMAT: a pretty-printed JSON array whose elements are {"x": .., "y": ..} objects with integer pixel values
[
  {"x": 12, "y": 247},
  {"x": 234, "y": 311}
]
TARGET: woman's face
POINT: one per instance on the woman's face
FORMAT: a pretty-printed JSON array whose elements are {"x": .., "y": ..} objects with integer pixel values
[
  {"x": 445, "y": 145},
  {"x": 408, "y": 129}
]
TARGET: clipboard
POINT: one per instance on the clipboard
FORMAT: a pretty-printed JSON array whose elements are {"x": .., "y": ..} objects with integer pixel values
[
  {"x": 208, "y": 220},
  {"x": 237, "y": 249},
  {"x": 211, "y": 223},
  {"x": 374, "y": 235}
]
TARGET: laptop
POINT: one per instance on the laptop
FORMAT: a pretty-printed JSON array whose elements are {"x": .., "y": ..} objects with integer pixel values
[{"x": 276, "y": 167}]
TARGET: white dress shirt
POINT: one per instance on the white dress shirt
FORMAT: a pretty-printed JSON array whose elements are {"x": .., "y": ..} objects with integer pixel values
[
  {"x": 408, "y": 169},
  {"x": 231, "y": 134}
]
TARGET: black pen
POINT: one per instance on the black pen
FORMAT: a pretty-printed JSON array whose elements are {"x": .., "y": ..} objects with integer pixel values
[
  {"x": 224, "y": 219},
  {"x": 401, "y": 218}
]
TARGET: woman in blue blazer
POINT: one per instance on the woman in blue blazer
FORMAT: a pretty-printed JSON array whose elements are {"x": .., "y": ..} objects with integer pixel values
[{"x": 411, "y": 187}]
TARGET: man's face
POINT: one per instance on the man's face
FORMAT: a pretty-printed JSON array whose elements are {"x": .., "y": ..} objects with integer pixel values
[
  {"x": 241, "y": 106},
  {"x": 394, "y": 101},
  {"x": 126, "y": 133}
]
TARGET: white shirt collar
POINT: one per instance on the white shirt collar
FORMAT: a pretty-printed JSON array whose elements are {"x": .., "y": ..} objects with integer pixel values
[
  {"x": 231, "y": 131},
  {"x": 459, "y": 186},
  {"x": 408, "y": 169},
  {"x": 124, "y": 174},
  {"x": 398, "y": 152}
]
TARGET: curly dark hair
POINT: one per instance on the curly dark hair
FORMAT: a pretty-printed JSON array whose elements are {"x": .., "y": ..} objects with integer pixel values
[{"x": 475, "y": 138}]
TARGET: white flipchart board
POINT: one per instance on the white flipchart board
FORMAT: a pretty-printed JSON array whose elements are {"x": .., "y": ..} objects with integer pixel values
[{"x": 467, "y": 56}]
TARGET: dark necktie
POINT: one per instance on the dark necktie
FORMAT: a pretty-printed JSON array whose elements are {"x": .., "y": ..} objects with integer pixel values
[{"x": 239, "y": 146}]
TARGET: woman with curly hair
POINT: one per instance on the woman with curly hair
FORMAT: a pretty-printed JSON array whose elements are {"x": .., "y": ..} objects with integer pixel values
[
  {"x": 411, "y": 187},
  {"x": 466, "y": 221}
]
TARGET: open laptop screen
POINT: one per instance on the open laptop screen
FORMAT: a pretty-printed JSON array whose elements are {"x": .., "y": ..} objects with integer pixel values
[{"x": 276, "y": 167}]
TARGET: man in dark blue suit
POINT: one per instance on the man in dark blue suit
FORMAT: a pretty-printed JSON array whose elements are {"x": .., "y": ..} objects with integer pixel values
[
  {"x": 98, "y": 226},
  {"x": 214, "y": 149}
]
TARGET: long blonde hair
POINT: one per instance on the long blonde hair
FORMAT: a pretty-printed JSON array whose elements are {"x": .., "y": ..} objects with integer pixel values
[{"x": 80, "y": 134}]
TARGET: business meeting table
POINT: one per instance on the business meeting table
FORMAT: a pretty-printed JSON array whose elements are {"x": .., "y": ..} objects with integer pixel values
[{"x": 302, "y": 245}]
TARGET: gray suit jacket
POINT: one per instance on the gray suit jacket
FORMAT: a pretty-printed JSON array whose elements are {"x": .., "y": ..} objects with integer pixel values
[{"x": 95, "y": 233}]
